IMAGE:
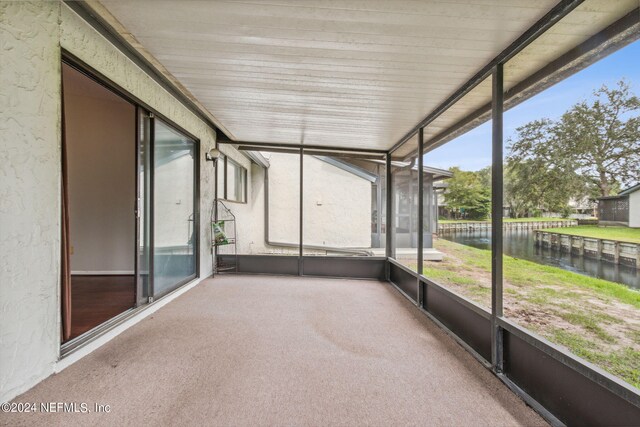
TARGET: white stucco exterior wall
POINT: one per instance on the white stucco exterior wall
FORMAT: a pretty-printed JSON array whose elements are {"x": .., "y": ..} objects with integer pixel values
[
  {"x": 29, "y": 193},
  {"x": 337, "y": 206},
  {"x": 32, "y": 35},
  {"x": 284, "y": 200},
  {"x": 634, "y": 209}
]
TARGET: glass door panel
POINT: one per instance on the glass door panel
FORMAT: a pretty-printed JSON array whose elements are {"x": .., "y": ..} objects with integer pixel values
[
  {"x": 174, "y": 217},
  {"x": 143, "y": 208}
]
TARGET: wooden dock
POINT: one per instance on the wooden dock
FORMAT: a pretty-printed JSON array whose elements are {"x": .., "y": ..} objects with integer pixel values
[
  {"x": 618, "y": 252},
  {"x": 486, "y": 225}
]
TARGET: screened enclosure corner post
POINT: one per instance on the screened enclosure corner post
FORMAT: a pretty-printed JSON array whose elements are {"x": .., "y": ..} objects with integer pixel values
[
  {"x": 214, "y": 248},
  {"x": 388, "y": 226},
  {"x": 390, "y": 243},
  {"x": 420, "y": 215},
  {"x": 497, "y": 101},
  {"x": 301, "y": 201}
]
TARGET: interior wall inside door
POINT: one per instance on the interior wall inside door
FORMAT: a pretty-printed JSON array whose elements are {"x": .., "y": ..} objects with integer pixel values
[{"x": 101, "y": 157}]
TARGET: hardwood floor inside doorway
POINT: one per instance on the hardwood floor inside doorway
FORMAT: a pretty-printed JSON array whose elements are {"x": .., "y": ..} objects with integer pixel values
[{"x": 96, "y": 299}]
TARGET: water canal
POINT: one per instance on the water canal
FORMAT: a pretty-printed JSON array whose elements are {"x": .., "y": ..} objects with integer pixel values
[{"x": 520, "y": 244}]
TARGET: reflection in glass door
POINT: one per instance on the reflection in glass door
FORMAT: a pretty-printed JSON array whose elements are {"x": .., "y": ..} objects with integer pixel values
[{"x": 174, "y": 209}]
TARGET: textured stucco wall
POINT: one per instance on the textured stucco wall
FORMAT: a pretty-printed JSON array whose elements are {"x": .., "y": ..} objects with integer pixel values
[
  {"x": 284, "y": 199},
  {"x": 29, "y": 193},
  {"x": 32, "y": 34},
  {"x": 337, "y": 206}
]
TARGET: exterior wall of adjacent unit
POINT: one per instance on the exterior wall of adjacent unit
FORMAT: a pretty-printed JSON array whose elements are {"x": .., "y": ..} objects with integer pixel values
[
  {"x": 634, "y": 209},
  {"x": 283, "y": 213},
  {"x": 33, "y": 34},
  {"x": 284, "y": 201},
  {"x": 337, "y": 206}
]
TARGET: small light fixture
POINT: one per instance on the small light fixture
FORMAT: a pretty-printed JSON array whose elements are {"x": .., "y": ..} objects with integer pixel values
[{"x": 213, "y": 155}]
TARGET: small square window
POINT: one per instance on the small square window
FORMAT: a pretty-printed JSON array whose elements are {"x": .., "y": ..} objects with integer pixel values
[{"x": 232, "y": 181}]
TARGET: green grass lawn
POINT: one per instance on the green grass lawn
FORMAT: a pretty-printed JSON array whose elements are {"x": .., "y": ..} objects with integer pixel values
[
  {"x": 595, "y": 319},
  {"x": 538, "y": 219},
  {"x": 624, "y": 234}
]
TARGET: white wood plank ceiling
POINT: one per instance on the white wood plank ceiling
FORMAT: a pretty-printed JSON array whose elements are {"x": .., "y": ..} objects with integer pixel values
[{"x": 349, "y": 73}]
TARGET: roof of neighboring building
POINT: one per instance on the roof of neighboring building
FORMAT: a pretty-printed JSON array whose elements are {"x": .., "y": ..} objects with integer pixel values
[
  {"x": 346, "y": 166},
  {"x": 257, "y": 158},
  {"x": 630, "y": 190},
  {"x": 623, "y": 193},
  {"x": 436, "y": 172}
]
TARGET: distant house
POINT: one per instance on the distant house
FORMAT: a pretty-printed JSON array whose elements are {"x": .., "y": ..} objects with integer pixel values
[
  {"x": 579, "y": 208},
  {"x": 583, "y": 208},
  {"x": 623, "y": 209}
]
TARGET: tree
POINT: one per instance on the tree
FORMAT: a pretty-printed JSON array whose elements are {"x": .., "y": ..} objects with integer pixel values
[
  {"x": 516, "y": 195},
  {"x": 468, "y": 194},
  {"x": 604, "y": 138},
  {"x": 536, "y": 177},
  {"x": 484, "y": 175},
  {"x": 529, "y": 186},
  {"x": 594, "y": 147}
]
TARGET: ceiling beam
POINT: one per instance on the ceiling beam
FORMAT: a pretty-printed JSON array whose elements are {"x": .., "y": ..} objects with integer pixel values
[{"x": 284, "y": 146}]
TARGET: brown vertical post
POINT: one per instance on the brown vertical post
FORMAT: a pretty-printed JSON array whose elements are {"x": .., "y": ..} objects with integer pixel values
[
  {"x": 496, "y": 217},
  {"x": 301, "y": 240}
]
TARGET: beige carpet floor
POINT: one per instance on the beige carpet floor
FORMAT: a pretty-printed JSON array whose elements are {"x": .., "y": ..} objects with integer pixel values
[{"x": 285, "y": 351}]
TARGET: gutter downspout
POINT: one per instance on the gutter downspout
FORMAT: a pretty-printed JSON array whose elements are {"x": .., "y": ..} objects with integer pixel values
[{"x": 361, "y": 252}]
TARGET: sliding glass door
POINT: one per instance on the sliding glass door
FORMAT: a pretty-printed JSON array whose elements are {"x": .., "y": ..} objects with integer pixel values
[
  {"x": 130, "y": 222},
  {"x": 174, "y": 208}
]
